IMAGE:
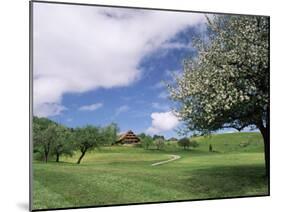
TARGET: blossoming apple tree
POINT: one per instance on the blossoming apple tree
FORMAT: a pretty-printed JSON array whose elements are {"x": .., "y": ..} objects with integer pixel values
[{"x": 226, "y": 85}]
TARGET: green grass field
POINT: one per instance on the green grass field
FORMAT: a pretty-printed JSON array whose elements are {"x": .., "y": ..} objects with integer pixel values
[{"x": 122, "y": 175}]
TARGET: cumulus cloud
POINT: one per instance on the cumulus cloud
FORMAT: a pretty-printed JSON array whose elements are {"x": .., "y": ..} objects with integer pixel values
[
  {"x": 162, "y": 122},
  {"x": 91, "y": 107},
  {"x": 82, "y": 48}
]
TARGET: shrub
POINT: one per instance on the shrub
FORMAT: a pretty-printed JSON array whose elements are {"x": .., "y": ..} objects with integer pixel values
[{"x": 184, "y": 142}]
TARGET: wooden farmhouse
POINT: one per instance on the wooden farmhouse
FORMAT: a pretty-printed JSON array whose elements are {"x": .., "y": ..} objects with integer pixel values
[{"x": 128, "y": 138}]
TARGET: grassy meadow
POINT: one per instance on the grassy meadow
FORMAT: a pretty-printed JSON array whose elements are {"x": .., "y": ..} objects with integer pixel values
[{"x": 123, "y": 174}]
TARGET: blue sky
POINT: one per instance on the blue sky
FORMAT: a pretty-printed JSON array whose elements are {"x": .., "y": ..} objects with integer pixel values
[
  {"x": 95, "y": 65},
  {"x": 131, "y": 106}
]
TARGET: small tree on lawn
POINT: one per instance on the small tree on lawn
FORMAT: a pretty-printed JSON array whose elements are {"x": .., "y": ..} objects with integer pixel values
[
  {"x": 44, "y": 135},
  {"x": 63, "y": 143},
  {"x": 86, "y": 139},
  {"x": 184, "y": 142},
  {"x": 146, "y": 141},
  {"x": 159, "y": 143},
  {"x": 109, "y": 134}
]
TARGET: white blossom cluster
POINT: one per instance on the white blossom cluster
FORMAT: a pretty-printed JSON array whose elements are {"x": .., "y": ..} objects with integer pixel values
[{"x": 227, "y": 84}]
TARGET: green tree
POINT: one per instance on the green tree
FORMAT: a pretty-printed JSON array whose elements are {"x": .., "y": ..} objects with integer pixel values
[
  {"x": 110, "y": 134},
  {"x": 227, "y": 84},
  {"x": 86, "y": 139},
  {"x": 159, "y": 143},
  {"x": 44, "y": 135},
  {"x": 184, "y": 142},
  {"x": 146, "y": 141},
  {"x": 142, "y": 135},
  {"x": 158, "y": 136},
  {"x": 63, "y": 143}
]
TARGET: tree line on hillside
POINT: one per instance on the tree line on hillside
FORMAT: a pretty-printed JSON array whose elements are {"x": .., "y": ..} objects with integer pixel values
[
  {"x": 51, "y": 139},
  {"x": 159, "y": 142}
]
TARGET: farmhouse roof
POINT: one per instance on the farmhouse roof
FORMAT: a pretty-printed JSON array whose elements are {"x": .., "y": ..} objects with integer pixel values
[{"x": 128, "y": 137}]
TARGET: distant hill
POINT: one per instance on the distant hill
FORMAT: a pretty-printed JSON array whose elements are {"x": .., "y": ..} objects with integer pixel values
[{"x": 232, "y": 142}]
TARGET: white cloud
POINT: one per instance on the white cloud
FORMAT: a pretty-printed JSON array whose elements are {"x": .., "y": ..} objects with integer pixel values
[
  {"x": 82, "y": 48},
  {"x": 158, "y": 106},
  {"x": 176, "y": 45},
  {"x": 121, "y": 109},
  {"x": 91, "y": 107},
  {"x": 50, "y": 109},
  {"x": 162, "y": 122}
]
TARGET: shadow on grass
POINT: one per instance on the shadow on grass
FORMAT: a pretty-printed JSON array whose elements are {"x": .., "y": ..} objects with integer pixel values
[
  {"x": 61, "y": 163},
  {"x": 227, "y": 181}
]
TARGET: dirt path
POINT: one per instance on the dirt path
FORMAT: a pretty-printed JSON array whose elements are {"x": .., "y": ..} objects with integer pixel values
[{"x": 174, "y": 157}]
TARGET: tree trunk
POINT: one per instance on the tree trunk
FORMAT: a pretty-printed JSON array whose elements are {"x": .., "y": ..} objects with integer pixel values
[
  {"x": 46, "y": 157},
  {"x": 210, "y": 148},
  {"x": 46, "y": 153},
  {"x": 81, "y": 156},
  {"x": 265, "y": 134},
  {"x": 58, "y": 157}
]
